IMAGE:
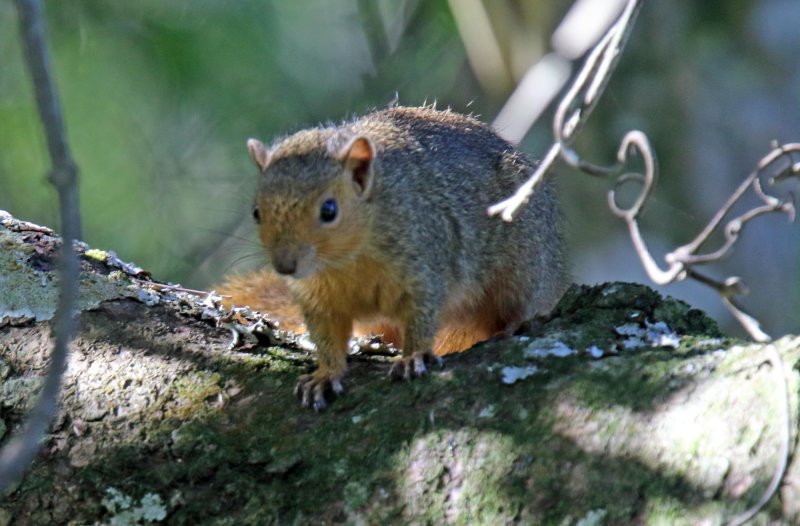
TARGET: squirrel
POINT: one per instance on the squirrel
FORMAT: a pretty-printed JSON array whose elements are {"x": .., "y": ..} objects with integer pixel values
[{"x": 381, "y": 222}]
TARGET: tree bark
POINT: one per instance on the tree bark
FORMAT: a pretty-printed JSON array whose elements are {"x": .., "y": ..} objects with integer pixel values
[{"x": 622, "y": 407}]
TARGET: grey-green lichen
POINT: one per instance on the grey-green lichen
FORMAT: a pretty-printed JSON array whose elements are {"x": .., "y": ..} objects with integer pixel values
[
  {"x": 31, "y": 294},
  {"x": 125, "y": 511}
]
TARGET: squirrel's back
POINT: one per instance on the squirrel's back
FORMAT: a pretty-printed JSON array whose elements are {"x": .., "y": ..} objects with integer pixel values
[{"x": 436, "y": 173}]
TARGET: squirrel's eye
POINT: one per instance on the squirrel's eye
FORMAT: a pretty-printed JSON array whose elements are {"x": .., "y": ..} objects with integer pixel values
[
  {"x": 328, "y": 211},
  {"x": 256, "y": 214}
]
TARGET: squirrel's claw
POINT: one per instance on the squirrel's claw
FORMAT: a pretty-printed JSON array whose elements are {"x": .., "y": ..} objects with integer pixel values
[
  {"x": 409, "y": 367},
  {"x": 312, "y": 388}
]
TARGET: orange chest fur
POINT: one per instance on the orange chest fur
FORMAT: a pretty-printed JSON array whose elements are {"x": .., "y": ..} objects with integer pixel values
[{"x": 364, "y": 289}]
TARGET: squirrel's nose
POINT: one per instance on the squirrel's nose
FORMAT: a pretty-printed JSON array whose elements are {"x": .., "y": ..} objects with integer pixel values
[{"x": 286, "y": 265}]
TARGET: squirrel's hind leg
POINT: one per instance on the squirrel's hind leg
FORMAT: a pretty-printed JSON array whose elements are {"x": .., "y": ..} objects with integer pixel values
[
  {"x": 499, "y": 312},
  {"x": 417, "y": 345}
]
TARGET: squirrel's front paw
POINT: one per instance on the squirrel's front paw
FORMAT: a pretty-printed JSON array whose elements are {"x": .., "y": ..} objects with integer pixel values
[
  {"x": 312, "y": 388},
  {"x": 408, "y": 367}
]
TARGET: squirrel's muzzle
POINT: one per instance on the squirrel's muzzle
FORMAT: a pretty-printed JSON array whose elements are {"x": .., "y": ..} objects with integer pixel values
[
  {"x": 293, "y": 259},
  {"x": 284, "y": 263}
]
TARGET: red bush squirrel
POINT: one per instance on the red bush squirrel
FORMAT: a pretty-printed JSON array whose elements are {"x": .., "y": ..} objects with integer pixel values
[{"x": 381, "y": 222}]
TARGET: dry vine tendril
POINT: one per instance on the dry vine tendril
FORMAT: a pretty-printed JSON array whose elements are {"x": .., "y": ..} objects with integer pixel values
[{"x": 778, "y": 165}]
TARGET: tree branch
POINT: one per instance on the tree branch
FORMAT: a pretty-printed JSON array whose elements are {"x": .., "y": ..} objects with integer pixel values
[{"x": 20, "y": 450}]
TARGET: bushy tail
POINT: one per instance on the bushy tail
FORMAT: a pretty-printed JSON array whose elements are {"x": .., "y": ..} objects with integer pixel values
[{"x": 265, "y": 291}]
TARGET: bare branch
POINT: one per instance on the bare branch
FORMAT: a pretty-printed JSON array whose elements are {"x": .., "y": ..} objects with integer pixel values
[
  {"x": 572, "y": 113},
  {"x": 508, "y": 207},
  {"x": 20, "y": 450},
  {"x": 584, "y": 25},
  {"x": 734, "y": 227},
  {"x": 594, "y": 76}
]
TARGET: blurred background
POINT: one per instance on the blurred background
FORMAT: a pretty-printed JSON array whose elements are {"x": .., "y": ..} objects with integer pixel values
[{"x": 159, "y": 98}]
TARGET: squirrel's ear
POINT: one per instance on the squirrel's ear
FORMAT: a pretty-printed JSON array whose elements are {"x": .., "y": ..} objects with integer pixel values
[
  {"x": 259, "y": 153},
  {"x": 357, "y": 157}
]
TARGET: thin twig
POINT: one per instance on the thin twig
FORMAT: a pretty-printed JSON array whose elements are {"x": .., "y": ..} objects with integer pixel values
[
  {"x": 20, "y": 450},
  {"x": 177, "y": 288},
  {"x": 572, "y": 113},
  {"x": 734, "y": 227},
  {"x": 508, "y": 208}
]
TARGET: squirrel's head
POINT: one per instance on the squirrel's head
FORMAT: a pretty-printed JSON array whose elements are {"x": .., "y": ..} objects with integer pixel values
[{"x": 310, "y": 203}]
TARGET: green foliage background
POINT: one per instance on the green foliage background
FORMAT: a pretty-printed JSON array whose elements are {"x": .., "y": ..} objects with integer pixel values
[{"x": 159, "y": 98}]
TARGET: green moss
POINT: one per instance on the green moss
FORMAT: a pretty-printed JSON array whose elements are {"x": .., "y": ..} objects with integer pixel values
[
  {"x": 96, "y": 254},
  {"x": 193, "y": 393}
]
